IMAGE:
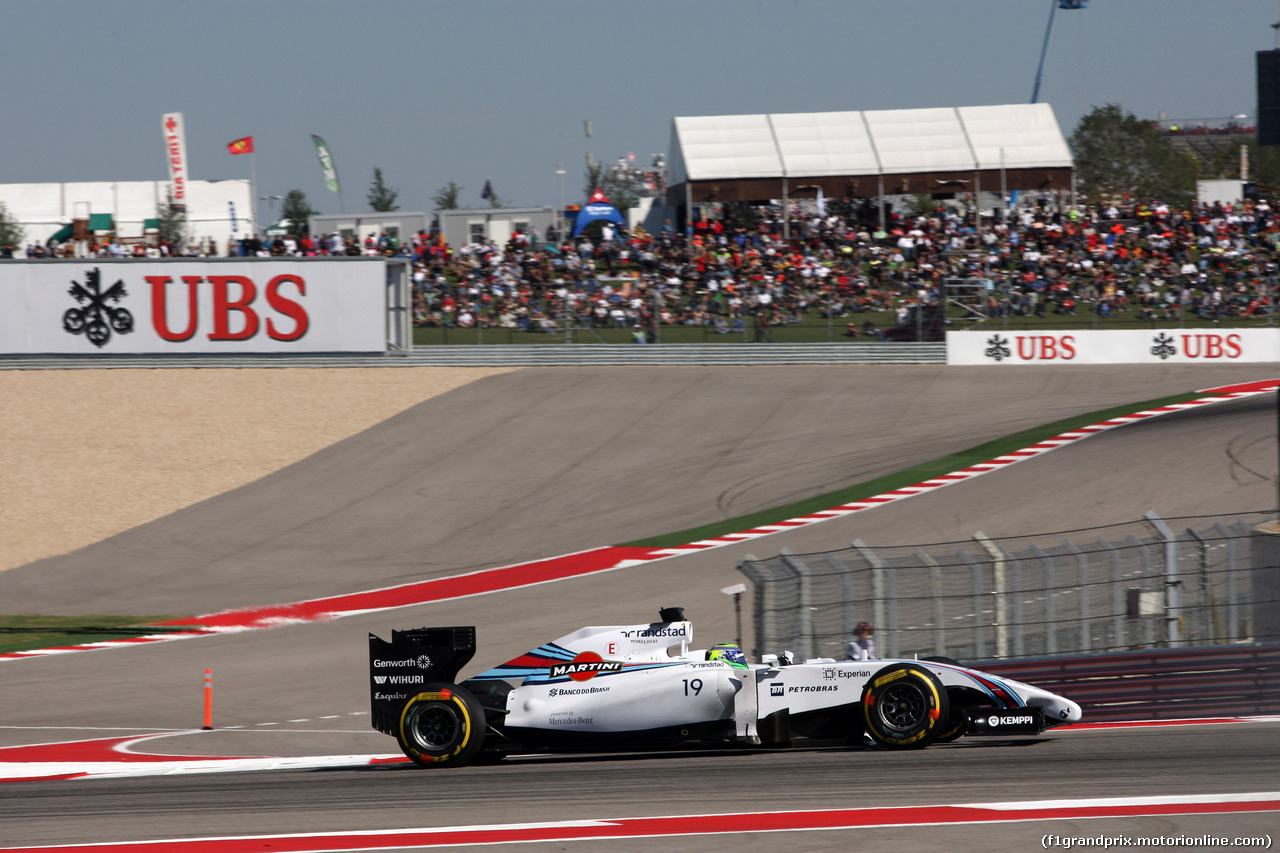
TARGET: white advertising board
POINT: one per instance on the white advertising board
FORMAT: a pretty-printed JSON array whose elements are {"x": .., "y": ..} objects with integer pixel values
[
  {"x": 1116, "y": 346},
  {"x": 174, "y": 307}
]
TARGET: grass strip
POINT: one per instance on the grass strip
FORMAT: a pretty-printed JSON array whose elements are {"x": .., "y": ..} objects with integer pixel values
[
  {"x": 22, "y": 632},
  {"x": 899, "y": 479}
]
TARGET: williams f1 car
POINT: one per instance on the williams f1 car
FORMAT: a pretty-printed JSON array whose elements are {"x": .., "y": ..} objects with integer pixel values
[{"x": 645, "y": 687}]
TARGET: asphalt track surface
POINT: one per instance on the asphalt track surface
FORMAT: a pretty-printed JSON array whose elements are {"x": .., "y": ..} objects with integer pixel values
[{"x": 544, "y": 462}]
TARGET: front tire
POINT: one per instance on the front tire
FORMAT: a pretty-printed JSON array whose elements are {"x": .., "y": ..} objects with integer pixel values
[
  {"x": 957, "y": 723},
  {"x": 905, "y": 706},
  {"x": 443, "y": 726}
]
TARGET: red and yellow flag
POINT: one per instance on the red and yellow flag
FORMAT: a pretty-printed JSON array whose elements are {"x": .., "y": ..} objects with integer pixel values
[{"x": 241, "y": 146}]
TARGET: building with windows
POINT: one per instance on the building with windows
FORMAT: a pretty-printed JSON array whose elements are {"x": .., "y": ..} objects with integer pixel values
[{"x": 459, "y": 227}]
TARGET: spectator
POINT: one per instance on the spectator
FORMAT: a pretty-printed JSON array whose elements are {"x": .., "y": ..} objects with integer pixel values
[{"x": 863, "y": 645}]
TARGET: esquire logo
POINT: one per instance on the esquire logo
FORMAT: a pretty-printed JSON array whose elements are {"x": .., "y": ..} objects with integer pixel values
[{"x": 235, "y": 310}]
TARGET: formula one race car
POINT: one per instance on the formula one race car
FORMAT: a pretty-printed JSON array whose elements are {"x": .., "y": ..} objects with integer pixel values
[{"x": 643, "y": 687}]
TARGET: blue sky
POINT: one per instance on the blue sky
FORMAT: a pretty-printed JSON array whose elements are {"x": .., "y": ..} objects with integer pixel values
[{"x": 432, "y": 92}]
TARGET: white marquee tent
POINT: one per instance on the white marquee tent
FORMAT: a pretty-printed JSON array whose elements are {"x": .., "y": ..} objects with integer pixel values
[
  {"x": 217, "y": 209},
  {"x": 867, "y": 153}
]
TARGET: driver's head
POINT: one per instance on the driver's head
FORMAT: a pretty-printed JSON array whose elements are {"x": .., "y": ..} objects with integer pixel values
[{"x": 729, "y": 653}]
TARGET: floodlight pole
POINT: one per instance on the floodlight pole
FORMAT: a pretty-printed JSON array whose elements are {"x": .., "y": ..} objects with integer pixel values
[
  {"x": 1044, "y": 51},
  {"x": 560, "y": 221},
  {"x": 736, "y": 591}
]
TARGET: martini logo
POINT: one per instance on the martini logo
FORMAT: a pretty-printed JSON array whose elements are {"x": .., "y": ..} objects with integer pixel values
[
  {"x": 584, "y": 667},
  {"x": 95, "y": 319}
]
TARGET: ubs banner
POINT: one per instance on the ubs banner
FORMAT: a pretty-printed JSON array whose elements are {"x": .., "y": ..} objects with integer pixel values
[
  {"x": 200, "y": 306},
  {"x": 1121, "y": 346}
]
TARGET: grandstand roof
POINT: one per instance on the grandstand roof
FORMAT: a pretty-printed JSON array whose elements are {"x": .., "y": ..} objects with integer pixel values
[{"x": 746, "y": 157}]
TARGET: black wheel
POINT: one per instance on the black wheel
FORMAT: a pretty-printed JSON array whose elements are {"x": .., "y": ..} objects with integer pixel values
[
  {"x": 906, "y": 707},
  {"x": 954, "y": 730},
  {"x": 73, "y": 321},
  {"x": 97, "y": 332},
  {"x": 121, "y": 321},
  {"x": 443, "y": 726}
]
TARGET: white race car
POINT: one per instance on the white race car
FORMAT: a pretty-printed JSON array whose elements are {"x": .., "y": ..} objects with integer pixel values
[{"x": 627, "y": 687}]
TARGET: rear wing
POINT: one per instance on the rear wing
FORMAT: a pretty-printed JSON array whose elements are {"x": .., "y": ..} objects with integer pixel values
[{"x": 399, "y": 669}]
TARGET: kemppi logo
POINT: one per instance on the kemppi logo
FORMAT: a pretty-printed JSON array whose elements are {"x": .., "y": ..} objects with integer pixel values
[{"x": 995, "y": 722}]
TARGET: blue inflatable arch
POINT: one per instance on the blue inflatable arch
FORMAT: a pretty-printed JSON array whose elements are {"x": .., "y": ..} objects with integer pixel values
[{"x": 597, "y": 208}]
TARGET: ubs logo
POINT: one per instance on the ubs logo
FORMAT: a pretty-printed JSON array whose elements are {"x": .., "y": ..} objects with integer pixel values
[{"x": 95, "y": 319}]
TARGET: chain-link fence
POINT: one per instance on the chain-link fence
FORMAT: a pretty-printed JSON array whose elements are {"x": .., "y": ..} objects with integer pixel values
[{"x": 1141, "y": 584}]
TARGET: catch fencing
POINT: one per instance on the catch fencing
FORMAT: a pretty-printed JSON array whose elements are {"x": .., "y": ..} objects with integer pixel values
[{"x": 1145, "y": 584}]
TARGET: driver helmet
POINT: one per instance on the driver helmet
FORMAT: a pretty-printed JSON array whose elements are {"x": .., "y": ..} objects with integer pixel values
[{"x": 729, "y": 653}]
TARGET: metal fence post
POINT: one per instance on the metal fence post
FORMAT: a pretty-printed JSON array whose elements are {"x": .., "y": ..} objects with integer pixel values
[
  {"x": 1118, "y": 605},
  {"x": 846, "y": 586},
  {"x": 806, "y": 602},
  {"x": 1172, "y": 581},
  {"x": 747, "y": 566},
  {"x": 935, "y": 592},
  {"x": 979, "y": 641},
  {"x": 879, "y": 597},
  {"x": 1001, "y": 601},
  {"x": 1086, "y": 630},
  {"x": 1233, "y": 606},
  {"x": 1050, "y": 606}
]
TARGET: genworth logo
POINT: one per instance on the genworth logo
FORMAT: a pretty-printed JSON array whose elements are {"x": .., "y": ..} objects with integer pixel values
[{"x": 96, "y": 320}]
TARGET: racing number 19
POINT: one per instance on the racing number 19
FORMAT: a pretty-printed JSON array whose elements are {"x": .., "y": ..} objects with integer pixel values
[{"x": 694, "y": 684}]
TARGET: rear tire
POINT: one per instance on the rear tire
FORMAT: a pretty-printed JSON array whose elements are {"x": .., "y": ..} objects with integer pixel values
[
  {"x": 443, "y": 726},
  {"x": 905, "y": 706}
]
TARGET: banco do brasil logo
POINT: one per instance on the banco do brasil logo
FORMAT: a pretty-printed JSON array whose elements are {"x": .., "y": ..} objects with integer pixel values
[{"x": 95, "y": 318}]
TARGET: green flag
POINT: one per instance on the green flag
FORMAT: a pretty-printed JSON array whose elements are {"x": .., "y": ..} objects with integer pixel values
[{"x": 326, "y": 164}]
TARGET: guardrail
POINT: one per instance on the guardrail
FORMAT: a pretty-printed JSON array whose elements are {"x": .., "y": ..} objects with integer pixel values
[
  {"x": 689, "y": 354},
  {"x": 1157, "y": 684},
  {"x": 521, "y": 355}
]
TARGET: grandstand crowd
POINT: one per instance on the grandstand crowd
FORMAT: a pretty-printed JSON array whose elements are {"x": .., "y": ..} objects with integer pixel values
[{"x": 1142, "y": 260}]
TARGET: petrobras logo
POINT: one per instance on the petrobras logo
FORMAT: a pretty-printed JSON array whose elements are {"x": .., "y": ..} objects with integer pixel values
[
  {"x": 1024, "y": 720},
  {"x": 813, "y": 688},
  {"x": 420, "y": 662},
  {"x": 777, "y": 689},
  {"x": 584, "y": 667},
  {"x": 682, "y": 631},
  {"x": 398, "y": 679}
]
